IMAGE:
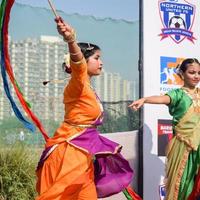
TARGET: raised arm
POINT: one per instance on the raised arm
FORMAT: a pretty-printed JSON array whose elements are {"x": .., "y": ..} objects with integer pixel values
[
  {"x": 77, "y": 64},
  {"x": 68, "y": 34},
  {"x": 165, "y": 99}
]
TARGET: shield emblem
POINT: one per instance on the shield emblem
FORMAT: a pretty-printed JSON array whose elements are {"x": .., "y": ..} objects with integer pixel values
[{"x": 177, "y": 17}]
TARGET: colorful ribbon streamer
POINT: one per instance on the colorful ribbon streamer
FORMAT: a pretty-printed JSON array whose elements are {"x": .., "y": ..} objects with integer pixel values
[
  {"x": 6, "y": 69},
  {"x": 130, "y": 194}
]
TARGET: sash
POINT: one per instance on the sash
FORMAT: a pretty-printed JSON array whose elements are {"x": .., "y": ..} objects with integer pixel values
[
  {"x": 186, "y": 139},
  {"x": 188, "y": 128}
]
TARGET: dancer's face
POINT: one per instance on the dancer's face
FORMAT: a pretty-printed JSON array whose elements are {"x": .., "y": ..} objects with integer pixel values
[
  {"x": 191, "y": 76},
  {"x": 95, "y": 64}
]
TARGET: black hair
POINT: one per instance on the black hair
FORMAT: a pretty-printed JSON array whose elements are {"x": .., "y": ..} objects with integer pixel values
[
  {"x": 88, "y": 49},
  {"x": 184, "y": 65}
]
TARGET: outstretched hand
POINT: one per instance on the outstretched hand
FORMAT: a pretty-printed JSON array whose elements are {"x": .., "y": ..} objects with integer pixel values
[
  {"x": 137, "y": 104},
  {"x": 65, "y": 30}
]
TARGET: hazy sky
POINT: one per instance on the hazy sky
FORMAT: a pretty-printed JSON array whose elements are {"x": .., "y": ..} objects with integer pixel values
[{"x": 117, "y": 9}]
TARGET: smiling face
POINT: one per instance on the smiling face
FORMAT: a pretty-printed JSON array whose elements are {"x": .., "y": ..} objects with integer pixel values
[
  {"x": 94, "y": 64},
  {"x": 191, "y": 76}
]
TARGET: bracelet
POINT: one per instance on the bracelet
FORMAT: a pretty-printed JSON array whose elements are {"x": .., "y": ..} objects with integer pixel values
[
  {"x": 71, "y": 38},
  {"x": 77, "y": 62},
  {"x": 74, "y": 54}
]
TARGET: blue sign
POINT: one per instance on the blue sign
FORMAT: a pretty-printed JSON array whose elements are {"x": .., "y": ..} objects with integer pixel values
[{"x": 169, "y": 79}]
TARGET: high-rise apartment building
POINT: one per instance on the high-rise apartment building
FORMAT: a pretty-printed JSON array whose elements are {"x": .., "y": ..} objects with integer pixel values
[
  {"x": 5, "y": 109},
  {"x": 112, "y": 88},
  {"x": 114, "y": 92},
  {"x": 35, "y": 60}
]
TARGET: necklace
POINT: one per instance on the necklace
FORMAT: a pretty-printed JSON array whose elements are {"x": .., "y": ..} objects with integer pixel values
[{"x": 195, "y": 96}]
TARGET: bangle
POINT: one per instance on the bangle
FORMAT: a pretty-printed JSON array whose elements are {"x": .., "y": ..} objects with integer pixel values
[
  {"x": 71, "y": 38},
  {"x": 76, "y": 53},
  {"x": 77, "y": 62}
]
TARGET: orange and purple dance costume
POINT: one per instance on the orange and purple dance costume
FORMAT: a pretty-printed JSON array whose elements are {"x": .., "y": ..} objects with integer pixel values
[{"x": 78, "y": 163}]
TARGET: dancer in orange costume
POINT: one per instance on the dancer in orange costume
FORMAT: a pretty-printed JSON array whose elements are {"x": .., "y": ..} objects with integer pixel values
[{"x": 78, "y": 163}]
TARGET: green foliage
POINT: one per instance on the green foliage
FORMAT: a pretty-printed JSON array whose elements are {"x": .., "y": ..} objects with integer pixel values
[{"x": 17, "y": 173}]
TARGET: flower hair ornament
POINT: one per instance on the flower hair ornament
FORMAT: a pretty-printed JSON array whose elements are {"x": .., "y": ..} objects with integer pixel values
[
  {"x": 66, "y": 67},
  {"x": 178, "y": 70},
  {"x": 66, "y": 63},
  {"x": 67, "y": 59}
]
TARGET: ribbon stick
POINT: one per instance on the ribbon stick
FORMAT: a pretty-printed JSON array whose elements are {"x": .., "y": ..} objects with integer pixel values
[
  {"x": 54, "y": 81},
  {"x": 53, "y": 9}
]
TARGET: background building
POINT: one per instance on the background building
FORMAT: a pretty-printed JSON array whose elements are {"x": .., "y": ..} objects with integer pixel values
[
  {"x": 35, "y": 60},
  {"x": 114, "y": 92}
]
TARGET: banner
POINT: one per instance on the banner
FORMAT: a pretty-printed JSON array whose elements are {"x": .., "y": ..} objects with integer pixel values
[{"x": 171, "y": 33}]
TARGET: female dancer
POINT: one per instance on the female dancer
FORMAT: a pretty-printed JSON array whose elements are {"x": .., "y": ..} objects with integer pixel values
[
  {"x": 78, "y": 163},
  {"x": 183, "y": 153}
]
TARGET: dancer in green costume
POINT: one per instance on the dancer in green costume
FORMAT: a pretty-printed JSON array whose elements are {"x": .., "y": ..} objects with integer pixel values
[{"x": 183, "y": 152}]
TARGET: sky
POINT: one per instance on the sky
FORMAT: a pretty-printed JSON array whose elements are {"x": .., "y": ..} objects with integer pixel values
[
  {"x": 127, "y": 32},
  {"x": 116, "y": 9}
]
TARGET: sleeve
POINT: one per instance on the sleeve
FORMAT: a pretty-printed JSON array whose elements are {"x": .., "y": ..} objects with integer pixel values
[
  {"x": 175, "y": 97},
  {"x": 79, "y": 78},
  {"x": 79, "y": 70}
]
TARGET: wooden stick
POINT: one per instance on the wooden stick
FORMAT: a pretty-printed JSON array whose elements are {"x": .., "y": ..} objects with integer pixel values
[
  {"x": 54, "y": 81},
  {"x": 53, "y": 9}
]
